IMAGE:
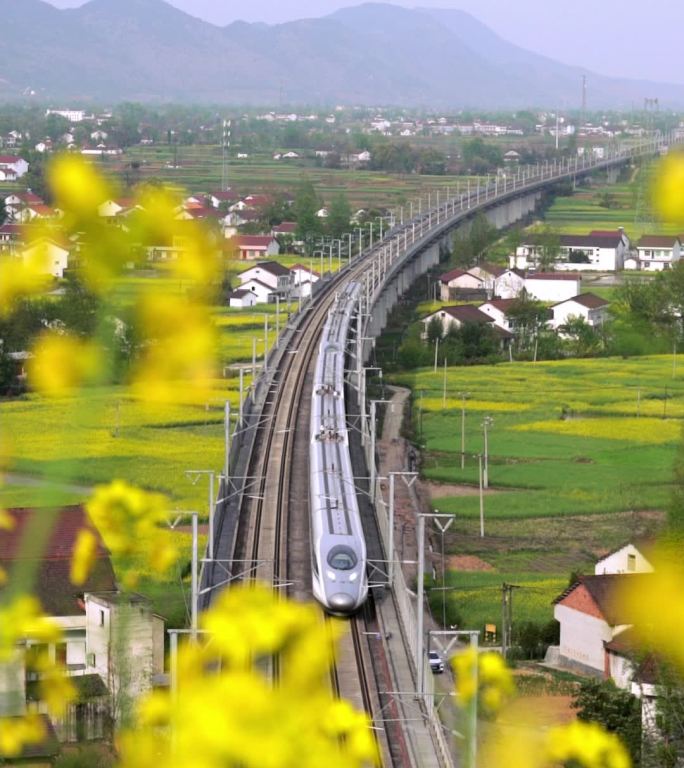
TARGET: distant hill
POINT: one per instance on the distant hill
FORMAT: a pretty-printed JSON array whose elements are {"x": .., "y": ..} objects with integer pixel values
[{"x": 112, "y": 50}]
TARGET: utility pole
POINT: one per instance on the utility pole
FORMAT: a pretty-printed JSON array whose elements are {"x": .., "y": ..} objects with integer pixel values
[
  {"x": 486, "y": 423},
  {"x": 463, "y": 395},
  {"x": 481, "y": 499},
  {"x": 506, "y": 617},
  {"x": 226, "y": 435}
]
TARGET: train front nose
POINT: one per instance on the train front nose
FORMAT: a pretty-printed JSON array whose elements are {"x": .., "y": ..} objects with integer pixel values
[{"x": 341, "y": 603}]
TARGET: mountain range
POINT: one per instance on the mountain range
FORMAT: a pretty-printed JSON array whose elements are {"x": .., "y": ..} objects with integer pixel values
[{"x": 372, "y": 54}]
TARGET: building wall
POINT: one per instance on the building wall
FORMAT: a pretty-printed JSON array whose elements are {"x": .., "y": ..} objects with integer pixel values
[
  {"x": 13, "y": 685},
  {"x": 552, "y": 290},
  {"x": 622, "y": 562},
  {"x": 582, "y": 636}
]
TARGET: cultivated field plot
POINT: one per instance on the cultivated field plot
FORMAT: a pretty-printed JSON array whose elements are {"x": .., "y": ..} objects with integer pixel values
[
  {"x": 580, "y": 460},
  {"x": 199, "y": 169}
]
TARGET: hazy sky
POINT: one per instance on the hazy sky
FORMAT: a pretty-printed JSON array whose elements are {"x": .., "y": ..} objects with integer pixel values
[{"x": 623, "y": 38}]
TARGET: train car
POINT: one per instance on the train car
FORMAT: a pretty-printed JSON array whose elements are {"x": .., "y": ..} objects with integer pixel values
[{"x": 338, "y": 545}]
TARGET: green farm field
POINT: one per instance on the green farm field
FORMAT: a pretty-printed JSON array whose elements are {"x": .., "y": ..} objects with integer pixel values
[
  {"x": 200, "y": 170},
  {"x": 581, "y": 456}
]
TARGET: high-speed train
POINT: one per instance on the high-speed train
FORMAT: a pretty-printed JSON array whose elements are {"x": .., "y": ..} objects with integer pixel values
[{"x": 338, "y": 547}]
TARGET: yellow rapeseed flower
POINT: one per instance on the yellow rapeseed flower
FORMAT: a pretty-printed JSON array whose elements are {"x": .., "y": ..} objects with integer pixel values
[
  {"x": 586, "y": 745},
  {"x": 77, "y": 186},
  {"x": 23, "y": 618},
  {"x": 7, "y": 522},
  {"x": 492, "y": 680},
  {"x": 180, "y": 351},
  {"x": 83, "y": 556},
  {"x": 61, "y": 364},
  {"x": 18, "y": 732},
  {"x": 668, "y": 188},
  {"x": 18, "y": 278},
  {"x": 132, "y": 523}
]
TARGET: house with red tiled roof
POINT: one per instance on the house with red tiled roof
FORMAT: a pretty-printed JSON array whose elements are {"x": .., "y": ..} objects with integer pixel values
[
  {"x": 461, "y": 284},
  {"x": 658, "y": 252},
  {"x": 498, "y": 309},
  {"x": 600, "y": 250},
  {"x": 287, "y": 228},
  {"x": 17, "y": 202},
  {"x": 10, "y": 237},
  {"x": 588, "y": 306},
  {"x": 592, "y": 615},
  {"x": 90, "y": 616},
  {"x": 500, "y": 282},
  {"x": 253, "y": 247},
  {"x": 459, "y": 315},
  {"x": 303, "y": 279}
]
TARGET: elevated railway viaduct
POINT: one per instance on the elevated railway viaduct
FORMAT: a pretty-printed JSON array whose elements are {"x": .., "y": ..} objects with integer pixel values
[{"x": 261, "y": 520}]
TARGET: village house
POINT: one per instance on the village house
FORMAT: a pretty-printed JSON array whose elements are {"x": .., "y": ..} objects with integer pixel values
[
  {"x": 303, "y": 279},
  {"x": 499, "y": 282},
  {"x": 460, "y": 315},
  {"x": 95, "y": 655},
  {"x": 658, "y": 252},
  {"x": 266, "y": 279},
  {"x": 627, "y": 558},
  {"x": 13, "y": 165},
  {"x": 16, "y": 203},
  {"x": 223, "y": 198},
  {"x": 49, "y": 256},
  {"x": 243, "y": 297},
  {"x": 461, "y": 284},
  {"x": 587, "y": 306},
  {"x": 600, "y": 250},
  {"x": 253, "y": 247},
  {"x": 498, "y": 309},
  {"x": 10, "y": 237},
  {"x": 590, "y": 616},
  {"x": 553, "y": 286}
]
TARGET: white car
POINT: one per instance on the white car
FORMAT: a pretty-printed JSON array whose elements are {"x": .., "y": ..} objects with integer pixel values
[{"x": 436, "y": 663}]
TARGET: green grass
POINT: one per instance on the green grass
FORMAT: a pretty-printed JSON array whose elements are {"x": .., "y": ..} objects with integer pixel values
[{"x": 563, "y": 490}]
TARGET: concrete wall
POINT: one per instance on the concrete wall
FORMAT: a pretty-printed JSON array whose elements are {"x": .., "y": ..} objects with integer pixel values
[
  {"x": 582, "y": 637},
  {"x": 619, "y": 562}
]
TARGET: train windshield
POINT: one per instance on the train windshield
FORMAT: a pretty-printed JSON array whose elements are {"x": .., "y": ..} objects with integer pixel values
[{"x": 342, "y": 558}]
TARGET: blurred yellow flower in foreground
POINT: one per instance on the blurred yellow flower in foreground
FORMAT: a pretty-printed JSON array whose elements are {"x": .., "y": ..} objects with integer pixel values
[
  {"x": 22, "y": 618},
  {"x": 586, "y": 745},
  {"x": 668, "y": 188},
  {"x": 17, "y": 732},
  {"x": 83, "y": 556},
  {"x": 654, "y": 603},
  {"x": 492, "y": 680},
  {"x": 61, "y": 364},
  {"x": 131, "y": 522},
  {"x": 18, "y": 278},
  {"x": 77, "y": 186},
  {"x": 180, "y": 350},
  {"x": 228, "y": 712},
  {"x": 55, "y": 687}
]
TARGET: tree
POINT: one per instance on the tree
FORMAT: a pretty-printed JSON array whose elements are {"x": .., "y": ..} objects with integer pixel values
[
  {"x": 527, "y": 317},
  {"x": 306, "y": 205},
  {"x": 581, "y": 338},
  {"x": 339, "y": 214},
  {"x": 435, "y": 329},
  {"x": 481, "y": 234},
  {"x": 617, "y": 711},
  {"x": 549, "y": 242}
]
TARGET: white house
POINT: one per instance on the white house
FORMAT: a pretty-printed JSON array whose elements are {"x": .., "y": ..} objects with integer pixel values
[
  {"x": 303, "y": 279},
  {"x": 458, "y": 283},
  {"x": 588, "y": 306},
  {"x": 14, "y": 164},
  {"x": 262, "y": 292},
  {"x": 553, "y": 286},
  {"x": 499, "y": 282},
  {"x": 18, "y": 201},
  {"x": 257, "y": 246},
  {"x": 590, "y": 616},
  {"x": 243, "y": 297},
  {"x": 48, "y": 256},
  {"x": 658, "y": 252},
  {"x": 600, "y": 250},
  {"x": 497, "y": 309},
  {"x": 275, "y": 276},
  {"x": 626, "y": 558}
]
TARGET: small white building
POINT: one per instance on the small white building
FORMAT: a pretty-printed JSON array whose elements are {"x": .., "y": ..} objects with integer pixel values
[
  {"x": 47, "y": 256},
  {"x": 626, "y": 558},
  {"x": 271, "y": 274},
  {"x": 588, "y": 306},
  {"x": 257, "y": 246},
  {"x": 303, "y": 279},
  {"x": 262, "y": 293},
  {"x": 14, "y": 164},
  {"x": 658, "y": 252},
  {"x": 553, "y": 286},
  {"x": 499, "y": 282},
  {"x": 459, "y": 283},
  {"x": 243, "y": 297},
  {"x": 590, "y": 616},
  {"x": 497, "y": 309}
]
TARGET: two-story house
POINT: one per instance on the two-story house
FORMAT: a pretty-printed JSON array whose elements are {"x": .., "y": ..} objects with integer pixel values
[{"x": 658, "y": 252}]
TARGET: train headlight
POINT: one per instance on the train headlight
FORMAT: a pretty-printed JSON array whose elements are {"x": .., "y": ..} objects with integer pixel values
[
  {"x": 353, "y": 577},
  {"x": 331, "y": 575}
]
